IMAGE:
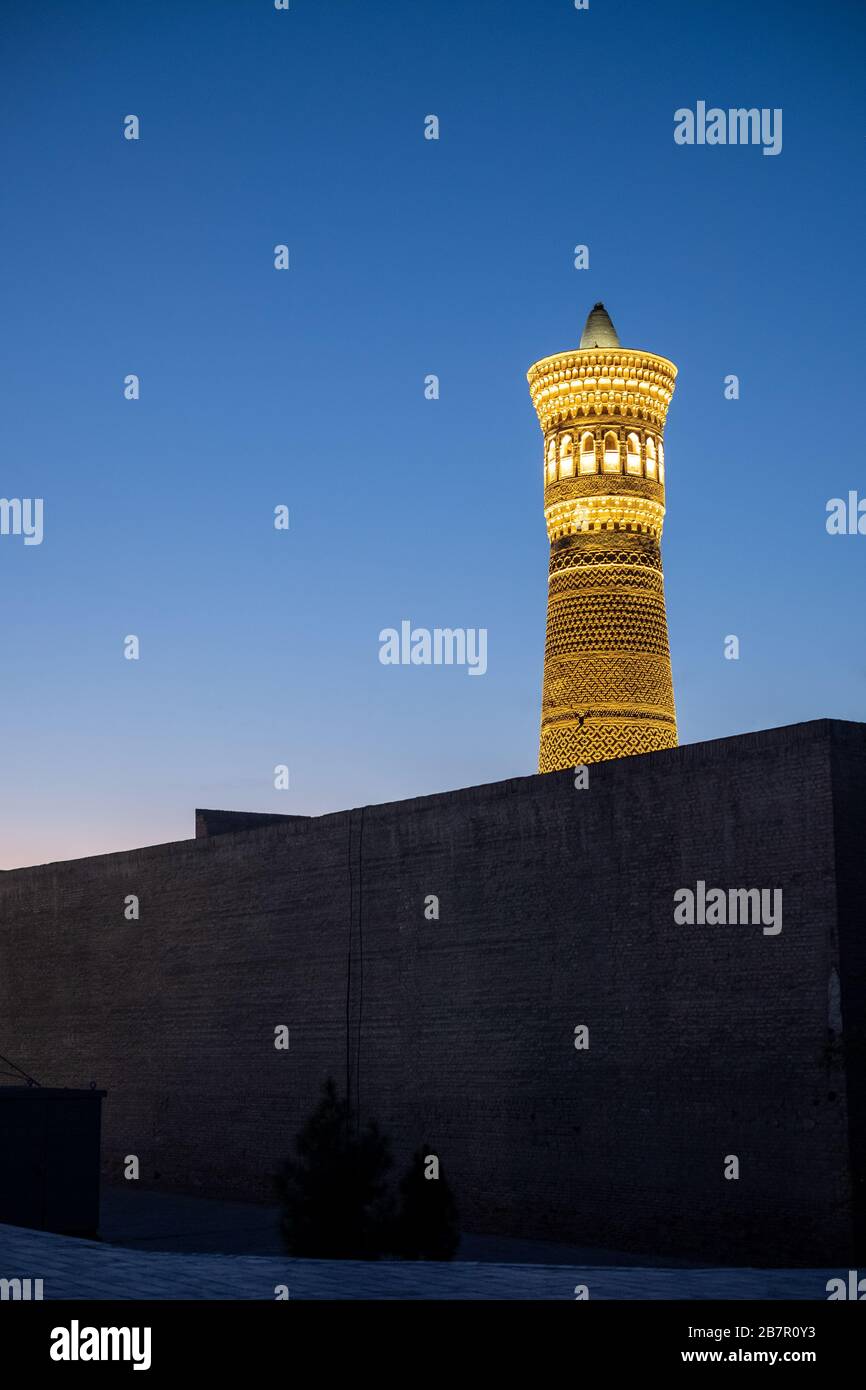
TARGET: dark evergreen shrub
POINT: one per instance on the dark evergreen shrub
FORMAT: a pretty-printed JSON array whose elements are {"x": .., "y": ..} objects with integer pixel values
[
  {"x": 427, "y": 1219},
  {"x": 335, "y": 1201}
]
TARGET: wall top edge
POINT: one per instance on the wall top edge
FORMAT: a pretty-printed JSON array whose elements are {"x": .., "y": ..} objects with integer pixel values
[{"x": 686, "y": 755}]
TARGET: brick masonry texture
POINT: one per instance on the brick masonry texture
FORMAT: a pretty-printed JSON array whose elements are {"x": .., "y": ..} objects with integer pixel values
[{"x": 556, "y": 909}]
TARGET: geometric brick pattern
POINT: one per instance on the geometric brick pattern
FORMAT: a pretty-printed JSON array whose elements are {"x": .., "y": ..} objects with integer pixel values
[
  {"x": 607, "y": 620},
  {"x": 608, "y": 579},
  {"x": 567, "y": 745},
  {"x": 579, "y": 683},
  {"x": 584, "y": 556}
]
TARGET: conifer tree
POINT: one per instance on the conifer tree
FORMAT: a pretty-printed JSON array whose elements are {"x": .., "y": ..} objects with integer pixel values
[
  {"x": 427, "y": 1226},
  {"x": 335, "y": 1203}
]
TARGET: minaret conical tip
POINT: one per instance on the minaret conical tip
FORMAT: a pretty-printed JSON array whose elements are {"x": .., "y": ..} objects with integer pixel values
[{"x": 599, "y": 331}]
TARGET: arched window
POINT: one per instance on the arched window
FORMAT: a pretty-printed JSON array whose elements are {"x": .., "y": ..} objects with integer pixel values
[
  {"x": 566, "y": 457},
  {"x": 632, "y": 454},
  {"x": 650, "y": 457},
  {"x": 587, "y": 454},
  {"x": 611, "y": 453},
  {"x": 661, "y": 462},
  {"x": 551, "y": 461}
]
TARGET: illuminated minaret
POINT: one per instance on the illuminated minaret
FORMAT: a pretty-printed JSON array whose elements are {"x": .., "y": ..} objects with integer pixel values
[{"x": 607, "y": 668}]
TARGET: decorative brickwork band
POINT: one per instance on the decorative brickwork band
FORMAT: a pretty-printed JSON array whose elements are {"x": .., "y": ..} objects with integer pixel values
[{"x": 608, "y": 691}]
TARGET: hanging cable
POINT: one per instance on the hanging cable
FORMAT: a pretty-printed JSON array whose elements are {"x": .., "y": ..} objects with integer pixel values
[{"x": 18, "y": 1071}]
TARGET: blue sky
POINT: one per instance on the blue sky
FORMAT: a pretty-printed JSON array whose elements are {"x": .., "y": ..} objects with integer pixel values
[{"x": 306, "y": 387}]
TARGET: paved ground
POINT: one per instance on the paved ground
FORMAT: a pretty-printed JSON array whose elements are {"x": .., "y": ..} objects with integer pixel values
[{"x": 79, "y": 1269}]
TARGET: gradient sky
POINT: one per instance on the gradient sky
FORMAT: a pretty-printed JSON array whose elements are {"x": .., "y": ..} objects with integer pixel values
[{"x": 305, "y": 387}]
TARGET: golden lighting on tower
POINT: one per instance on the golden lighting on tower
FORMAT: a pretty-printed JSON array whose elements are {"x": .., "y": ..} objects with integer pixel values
[{"x": 607, "y": 691}]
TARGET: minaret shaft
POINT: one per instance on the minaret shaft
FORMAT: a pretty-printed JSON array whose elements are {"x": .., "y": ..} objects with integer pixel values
[{"x": 608, "y": 690}]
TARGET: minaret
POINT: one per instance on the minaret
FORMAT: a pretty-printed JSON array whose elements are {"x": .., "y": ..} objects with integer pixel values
[{"x": 607, "y": 668}]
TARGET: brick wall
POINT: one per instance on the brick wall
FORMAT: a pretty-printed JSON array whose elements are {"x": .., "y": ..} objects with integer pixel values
[{"x": 556, "y": 909}]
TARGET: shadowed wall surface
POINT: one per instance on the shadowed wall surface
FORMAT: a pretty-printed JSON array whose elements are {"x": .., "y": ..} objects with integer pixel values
[{"x": 556, "y": 910}]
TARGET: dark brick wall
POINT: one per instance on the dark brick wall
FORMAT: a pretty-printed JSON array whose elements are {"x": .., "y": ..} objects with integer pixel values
[
  {"x": 227, "y": 822},
  {"x": 556, "y": 909},
  {"x": 849, "y": 779}
]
